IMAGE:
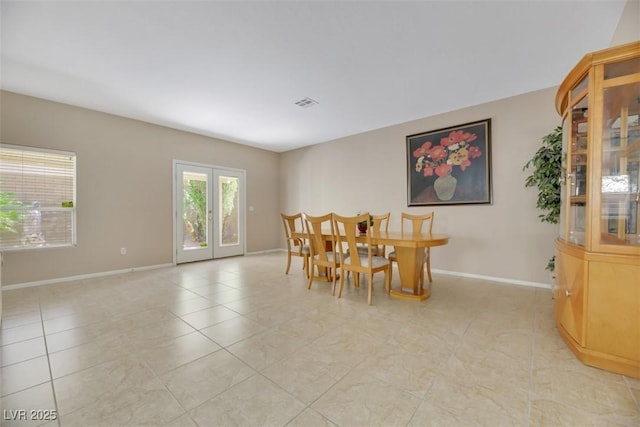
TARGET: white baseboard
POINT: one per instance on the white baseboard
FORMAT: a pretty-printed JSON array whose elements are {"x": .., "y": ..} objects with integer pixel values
[
  {"x": 152, "y": 267},
  {"x": 83, "y": 276},
  {"x": 495, "y": 279},
  {"x": 477, "y": 276},
  {"x": 106, "y": 273},
  {"x": 266, "y": 251}
]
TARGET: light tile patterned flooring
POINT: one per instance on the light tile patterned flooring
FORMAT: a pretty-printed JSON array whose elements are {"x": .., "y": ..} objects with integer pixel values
[{"x": 237, "y": 342}]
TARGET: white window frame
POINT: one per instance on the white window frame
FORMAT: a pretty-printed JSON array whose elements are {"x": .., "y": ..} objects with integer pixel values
[{"x": 22, "y": 210}]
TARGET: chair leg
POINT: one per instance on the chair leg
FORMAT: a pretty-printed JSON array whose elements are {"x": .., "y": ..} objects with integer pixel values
[
  {"x": 387, "y": 280},
  {"x": 288, "y": 262},
  {"x": 369, "y": 298},
  {"x": 333, "y": 285},
  {"x": 305, "y": 265},
  {"x": 429, "y": 269},
  {"x": 390, "y": 273},
  {"x": 310, "y": 275},
  {"x": 341, "y": 283}
]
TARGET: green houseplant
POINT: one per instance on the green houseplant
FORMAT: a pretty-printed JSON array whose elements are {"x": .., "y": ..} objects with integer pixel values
[
  {"x": 546, "y": 167},
  {"x": 8, "y": 218}
]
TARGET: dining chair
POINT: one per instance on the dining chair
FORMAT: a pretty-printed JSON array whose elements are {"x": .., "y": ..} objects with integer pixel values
[
  {"x": 376, "y": 223},
  {"x": 296, "y": 245},
  {"x": 347, "y": 234},
  {"x": 322, "y": 250},
  {"x": 380, "y": 223},
  {"x": 417, "y": 224}
]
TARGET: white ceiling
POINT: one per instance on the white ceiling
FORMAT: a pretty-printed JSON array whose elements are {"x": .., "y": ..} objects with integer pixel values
[{"x": 234, "y": 70}]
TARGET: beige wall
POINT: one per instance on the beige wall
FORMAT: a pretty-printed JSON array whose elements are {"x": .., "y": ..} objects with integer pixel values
[
  {"x": 124, "y": 188},
  {"x": 628, "y": 29},
  {"x": 368, "y": 172}
]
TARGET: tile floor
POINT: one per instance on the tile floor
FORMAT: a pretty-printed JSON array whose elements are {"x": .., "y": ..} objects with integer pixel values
[{"x": 237, "y": 342}]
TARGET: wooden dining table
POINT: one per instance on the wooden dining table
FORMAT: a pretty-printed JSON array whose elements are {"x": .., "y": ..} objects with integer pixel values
[{"x": 410, "y": 256}]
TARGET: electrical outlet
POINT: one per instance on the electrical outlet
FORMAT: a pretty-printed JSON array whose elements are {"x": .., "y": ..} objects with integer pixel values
[{"x": 123, "y": 251}]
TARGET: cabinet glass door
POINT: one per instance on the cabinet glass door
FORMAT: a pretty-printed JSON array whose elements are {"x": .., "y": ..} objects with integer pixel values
[
  {"x": 562, "y": 219},
  {"x": 577, "y": 156},
  {"x": 620, "y": 192}
]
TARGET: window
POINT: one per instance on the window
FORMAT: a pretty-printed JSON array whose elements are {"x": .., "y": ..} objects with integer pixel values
[{"x": 37, "y": 198}]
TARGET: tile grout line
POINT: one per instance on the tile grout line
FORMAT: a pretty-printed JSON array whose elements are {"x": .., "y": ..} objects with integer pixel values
[
  {"x": 46, "y": 349},
  {"x": 440, "y": 368},
  {"x": 537, "y": 336},
  {"x": 157, "y": 377},
  {"x": 633, "y": 396},
  {"x": 308, "y": 406}
]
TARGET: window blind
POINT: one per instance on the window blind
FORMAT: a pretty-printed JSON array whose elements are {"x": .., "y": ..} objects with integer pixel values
[{"x": 37, "y": 198}]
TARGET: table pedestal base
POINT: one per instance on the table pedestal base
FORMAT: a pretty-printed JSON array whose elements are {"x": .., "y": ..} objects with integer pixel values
[
  {"x": 410, "y": 267},
  {"x": 409, "y": 296}
]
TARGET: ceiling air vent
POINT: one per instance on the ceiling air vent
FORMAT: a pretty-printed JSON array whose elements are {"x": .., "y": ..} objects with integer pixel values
[{"x": 306, "y": 102}]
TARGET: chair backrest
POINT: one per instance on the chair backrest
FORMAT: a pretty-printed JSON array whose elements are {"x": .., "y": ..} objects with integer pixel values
[
  {"x": 315, "y": 225},
  {"x": 346, "y": 229},
  {"x": 292, "y": 224},
  {"x": 419, "y": 223},
  {"x": 381, "y": 223}
]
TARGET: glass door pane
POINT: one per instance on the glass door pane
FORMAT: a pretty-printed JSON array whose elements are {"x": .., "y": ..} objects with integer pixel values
[
  {"x": 577, "y": 164},
  {"x": 620, "y": 189},
  {"x": 562, "y": 220},
  {"x": 194, "y": 213},
  {"x": 228, "y": 210},
  {"x": 229, "y": 235}
]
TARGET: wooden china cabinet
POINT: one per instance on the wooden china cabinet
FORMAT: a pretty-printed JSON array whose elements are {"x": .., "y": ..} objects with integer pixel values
[{"x": 597, "y": 267}]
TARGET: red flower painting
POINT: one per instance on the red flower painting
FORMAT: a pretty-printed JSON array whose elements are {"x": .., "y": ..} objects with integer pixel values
[{"x": 453, "y": 150}]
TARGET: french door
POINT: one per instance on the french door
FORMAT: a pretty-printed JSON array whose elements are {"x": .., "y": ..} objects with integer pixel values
[{"x": 209, "y": 215}]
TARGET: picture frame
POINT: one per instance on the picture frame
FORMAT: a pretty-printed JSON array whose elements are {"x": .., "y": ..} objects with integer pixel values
[{"x": 450, "y": 166}]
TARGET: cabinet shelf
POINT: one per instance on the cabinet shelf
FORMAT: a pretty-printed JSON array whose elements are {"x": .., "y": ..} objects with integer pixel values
[{"x": 578, "y": 200}]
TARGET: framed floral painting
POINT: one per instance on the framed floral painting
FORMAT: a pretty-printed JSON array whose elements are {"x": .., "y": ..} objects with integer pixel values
[{"x": 450, "y": 166}]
